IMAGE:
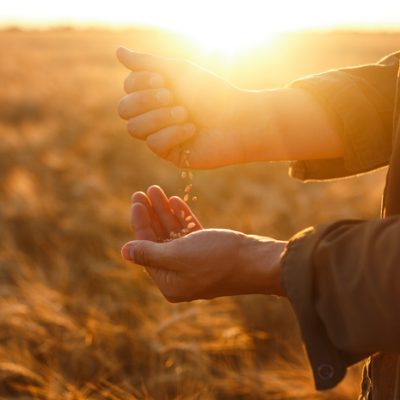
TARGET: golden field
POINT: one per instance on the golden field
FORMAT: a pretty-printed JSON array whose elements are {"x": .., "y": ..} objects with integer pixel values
[{"x": 77, "y": 322}]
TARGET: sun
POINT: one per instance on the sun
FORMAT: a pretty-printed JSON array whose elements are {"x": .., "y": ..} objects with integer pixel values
[
  {"x": 227, "y": 27},
  {"x": 229, "y": 38}
]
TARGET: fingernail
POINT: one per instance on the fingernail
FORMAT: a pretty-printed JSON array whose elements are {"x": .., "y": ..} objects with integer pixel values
[
  {"x": 156, "y": 81},
  {"x": 163, "y": 96},
  {"x": 178, "y": 113},
  {"x": 127, "y": 252},
  {"x": 120, "y": 50}
]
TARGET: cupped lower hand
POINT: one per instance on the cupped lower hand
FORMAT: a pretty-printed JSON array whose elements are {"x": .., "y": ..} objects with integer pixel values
[
  {"x": 175, "y": 105},
  {"x": 203, "y": 264},
  {"x": 159, "y": 218}
]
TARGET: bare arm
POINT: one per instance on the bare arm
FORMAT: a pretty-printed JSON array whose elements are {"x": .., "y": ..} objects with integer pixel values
[
  {"x": 173, "y": 104},
  {"x": 289, "y": 124}
]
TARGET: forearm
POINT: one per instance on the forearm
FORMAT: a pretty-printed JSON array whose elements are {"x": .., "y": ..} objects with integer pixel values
[
  {"x": 360, "y": 103},
  {"x": 343, "y": 114},
  {"x": 295, "y": 127}
]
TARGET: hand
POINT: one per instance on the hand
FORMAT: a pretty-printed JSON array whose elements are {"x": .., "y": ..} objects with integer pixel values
[
  {"x": 157, "y": 218},
  {"x": 204, "y": 264},
  {"x": 175, "y": 105}
]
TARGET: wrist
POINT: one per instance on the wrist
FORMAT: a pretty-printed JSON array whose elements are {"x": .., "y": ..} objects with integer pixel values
[
  {"x": 262, "y": 262},
  {"x": 259, "y": 126}
]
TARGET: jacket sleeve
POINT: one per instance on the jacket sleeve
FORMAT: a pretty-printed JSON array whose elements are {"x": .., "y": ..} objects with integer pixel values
[
  {"x": 343, "y": 281},
  {"x": 360, "y": 103}
]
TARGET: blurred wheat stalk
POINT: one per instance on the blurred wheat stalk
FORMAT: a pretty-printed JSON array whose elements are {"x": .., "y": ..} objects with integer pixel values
[{"x": 78, "y": 323}]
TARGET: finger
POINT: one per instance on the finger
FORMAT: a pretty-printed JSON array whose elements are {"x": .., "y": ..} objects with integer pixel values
[
  {"x": 151, "y": 254},
  {"x": 150, "y": 122},
  {"x": 185, "y": 215},
  {"x": 143, "y": 80},
  {"x": 140, "y": 197},
  {"x": 161, "y": 206},
  {"x": 139, "y": 102},
  {"x": 141, "y": 223},
  {"x": 145, "y": 62},
  {"x": 163, "y": 141}
]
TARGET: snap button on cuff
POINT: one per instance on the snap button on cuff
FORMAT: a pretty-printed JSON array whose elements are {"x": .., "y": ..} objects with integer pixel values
[{"x": 325, "y": 371}]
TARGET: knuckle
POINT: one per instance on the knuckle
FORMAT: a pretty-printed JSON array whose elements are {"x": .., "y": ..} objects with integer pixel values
[
  {"x": 133, "y": 104},
  {"x": 122, "y": 108},
  {"x": 152, "y": 124},
  {"x": 161, "y": 118},
  {"x": 142, "y": 100},
  {"x": 177, "y": 114},
  {"x": 131, "y": 126},
  {"x": 129, "y": 83},
  {"x": 156, "y": 80}
]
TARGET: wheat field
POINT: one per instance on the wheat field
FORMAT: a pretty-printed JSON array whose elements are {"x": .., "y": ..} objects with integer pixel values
[{"x": 76, "y": 321}]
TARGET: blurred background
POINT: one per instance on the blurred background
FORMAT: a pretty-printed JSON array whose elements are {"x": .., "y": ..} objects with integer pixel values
[{"x": 77, "y": 322}]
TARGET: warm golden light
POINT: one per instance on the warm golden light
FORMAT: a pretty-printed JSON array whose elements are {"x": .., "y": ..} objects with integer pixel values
[
  {"x": 228, "y": 39},
  {"x": 222, "y": 28}
]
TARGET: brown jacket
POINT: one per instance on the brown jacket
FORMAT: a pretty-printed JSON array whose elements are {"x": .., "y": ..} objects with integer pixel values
[{"x": 343, "y": 279}]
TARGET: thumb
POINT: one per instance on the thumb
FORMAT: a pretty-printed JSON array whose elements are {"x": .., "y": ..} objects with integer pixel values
[
  {"x": 138, "y": 61},
  {"x": 148, "y": 254},
  {"x": 147, "y": 62}
]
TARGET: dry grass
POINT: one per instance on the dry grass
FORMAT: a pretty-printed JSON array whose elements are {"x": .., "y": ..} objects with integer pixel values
[{"x": 76, "y": 322}]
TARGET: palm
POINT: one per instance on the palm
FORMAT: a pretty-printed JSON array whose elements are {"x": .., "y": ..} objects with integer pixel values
[{"x": 158, "y": 218}]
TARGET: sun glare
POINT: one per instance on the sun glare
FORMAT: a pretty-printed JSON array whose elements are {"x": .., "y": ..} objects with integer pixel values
[
  {"x": 223, "y": 28},
  {"x": 228, "y": 40},
  {"x": 228, "y": 37},
  {"x": 220, "y": 26}
]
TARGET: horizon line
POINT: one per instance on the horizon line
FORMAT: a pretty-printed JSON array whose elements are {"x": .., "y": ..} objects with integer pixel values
[{"x": 44, "y": 26}]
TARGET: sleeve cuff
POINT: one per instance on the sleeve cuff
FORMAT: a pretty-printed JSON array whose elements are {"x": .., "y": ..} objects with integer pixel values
[
  {"x": 328, "y": 363},
  {"x": 357, "y": 121}
]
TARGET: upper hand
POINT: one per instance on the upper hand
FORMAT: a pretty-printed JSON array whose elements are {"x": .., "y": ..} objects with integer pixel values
[{"x": 173, "y": 104}]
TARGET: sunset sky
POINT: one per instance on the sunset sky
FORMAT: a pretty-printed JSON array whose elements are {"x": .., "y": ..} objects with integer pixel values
[
  {"x": 217, "y": 21},
  {"x": 179, "y": 14}
]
